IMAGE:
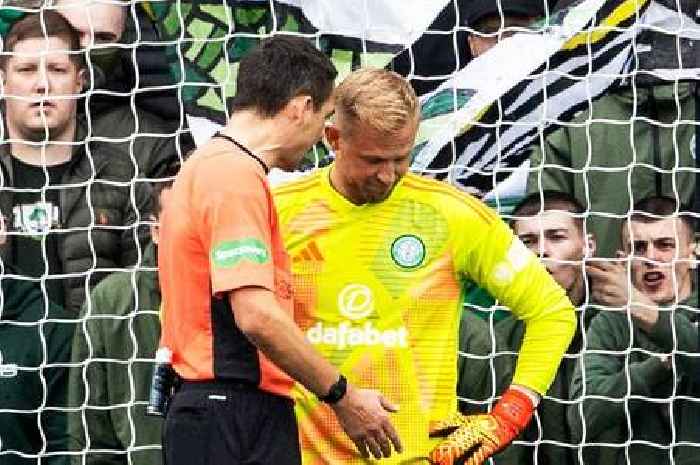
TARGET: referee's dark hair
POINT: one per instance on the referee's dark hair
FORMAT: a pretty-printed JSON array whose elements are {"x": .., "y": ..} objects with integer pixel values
[{"x": 277, "y": 70}]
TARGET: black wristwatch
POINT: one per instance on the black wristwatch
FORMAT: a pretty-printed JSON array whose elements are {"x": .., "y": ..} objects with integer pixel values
[{"x": 336, "y": 392}]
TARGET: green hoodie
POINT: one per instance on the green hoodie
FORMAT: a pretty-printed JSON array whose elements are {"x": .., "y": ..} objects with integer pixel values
[
  {"x": 602, "y": 180},
  {"x": 638, "y": 389},
  {"x": 115, "y": 350},
  {"x": 33, "y": 344}
]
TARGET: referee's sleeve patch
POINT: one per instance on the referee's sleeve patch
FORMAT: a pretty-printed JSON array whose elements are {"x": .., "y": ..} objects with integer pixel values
[{"x": 228, "y": 254}]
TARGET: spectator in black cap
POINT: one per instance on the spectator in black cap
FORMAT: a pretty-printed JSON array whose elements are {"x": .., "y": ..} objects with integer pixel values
[
  {"x": 432, "y": 58},
  {"x": 492, "y": 20}
]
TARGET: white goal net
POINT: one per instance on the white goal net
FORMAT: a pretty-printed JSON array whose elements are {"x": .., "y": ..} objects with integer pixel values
[{"x": 596, "y": 99}]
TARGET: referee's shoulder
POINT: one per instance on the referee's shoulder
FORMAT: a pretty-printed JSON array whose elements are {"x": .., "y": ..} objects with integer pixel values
[
  {"x": 444, "y": 196},
  {"x": 217, "y": 161}
]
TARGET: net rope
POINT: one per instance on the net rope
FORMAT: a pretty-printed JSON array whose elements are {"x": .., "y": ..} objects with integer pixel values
[{"x": 189, "y": 41}]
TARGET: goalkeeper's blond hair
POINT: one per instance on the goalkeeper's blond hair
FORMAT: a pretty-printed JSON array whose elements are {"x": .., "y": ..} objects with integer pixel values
[{"x": 376, "y": 99}]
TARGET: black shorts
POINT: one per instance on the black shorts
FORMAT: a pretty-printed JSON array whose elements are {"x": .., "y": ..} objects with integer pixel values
[{"x": 227, "y": 424}]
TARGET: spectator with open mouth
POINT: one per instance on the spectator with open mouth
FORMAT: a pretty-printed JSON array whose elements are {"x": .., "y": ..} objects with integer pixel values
[{"x": 643, "y": 345}]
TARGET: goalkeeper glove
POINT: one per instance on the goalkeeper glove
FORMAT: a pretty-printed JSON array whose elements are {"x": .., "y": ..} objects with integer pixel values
[{"x": 474, "y": 438}]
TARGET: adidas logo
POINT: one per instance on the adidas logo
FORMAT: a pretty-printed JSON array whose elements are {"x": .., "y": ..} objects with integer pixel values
[{"x": 310, "y": 253}]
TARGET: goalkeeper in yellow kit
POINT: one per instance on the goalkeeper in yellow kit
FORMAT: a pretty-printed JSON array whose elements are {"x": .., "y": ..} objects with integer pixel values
[{"x": 379, "y": 259}]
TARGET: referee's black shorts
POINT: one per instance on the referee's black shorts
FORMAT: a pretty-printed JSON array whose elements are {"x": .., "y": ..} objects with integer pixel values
[{"x": 210, "y": 423}]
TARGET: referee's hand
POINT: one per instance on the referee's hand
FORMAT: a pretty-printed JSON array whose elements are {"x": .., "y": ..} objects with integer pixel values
[{"x": 364, "y": 415}]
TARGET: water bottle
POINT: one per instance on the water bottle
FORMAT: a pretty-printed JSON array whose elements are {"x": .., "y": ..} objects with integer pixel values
[{"x": 162, "y": 383}]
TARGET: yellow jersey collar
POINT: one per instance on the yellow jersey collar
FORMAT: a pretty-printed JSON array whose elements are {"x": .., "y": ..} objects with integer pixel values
[{"x": 340, "y": 202}]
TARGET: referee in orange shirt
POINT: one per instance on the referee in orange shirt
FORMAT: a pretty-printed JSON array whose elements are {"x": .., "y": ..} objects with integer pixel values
[{"x": 225, "y": 279}]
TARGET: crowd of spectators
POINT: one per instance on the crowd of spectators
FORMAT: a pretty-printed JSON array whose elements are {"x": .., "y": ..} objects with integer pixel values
[{"x": 87, "y": 156}]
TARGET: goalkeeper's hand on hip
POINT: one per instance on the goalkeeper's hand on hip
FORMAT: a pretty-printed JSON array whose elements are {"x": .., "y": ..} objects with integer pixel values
[{"x": 474, "y": 438}]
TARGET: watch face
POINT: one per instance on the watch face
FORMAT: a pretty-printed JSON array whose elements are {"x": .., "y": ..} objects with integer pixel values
[{"x": 337, "y": 391}]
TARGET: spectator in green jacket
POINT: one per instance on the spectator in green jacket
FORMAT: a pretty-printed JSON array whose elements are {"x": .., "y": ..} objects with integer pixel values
[
  {"x": 635, "y": 387},
  {"x": 34, "y": 355},
  {"x": 114, "y": 351},
  {"x": 70, "y": 205},
  {"x": 628, "y": 145},
  {"x": 550, "y": 225}
]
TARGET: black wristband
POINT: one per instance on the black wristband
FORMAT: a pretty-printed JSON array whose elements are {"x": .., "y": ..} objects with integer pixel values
[{"x": 336, "y": 392}]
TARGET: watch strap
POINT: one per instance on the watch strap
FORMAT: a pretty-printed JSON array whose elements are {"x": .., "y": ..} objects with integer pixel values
[{"x": 336, "y": 392}]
